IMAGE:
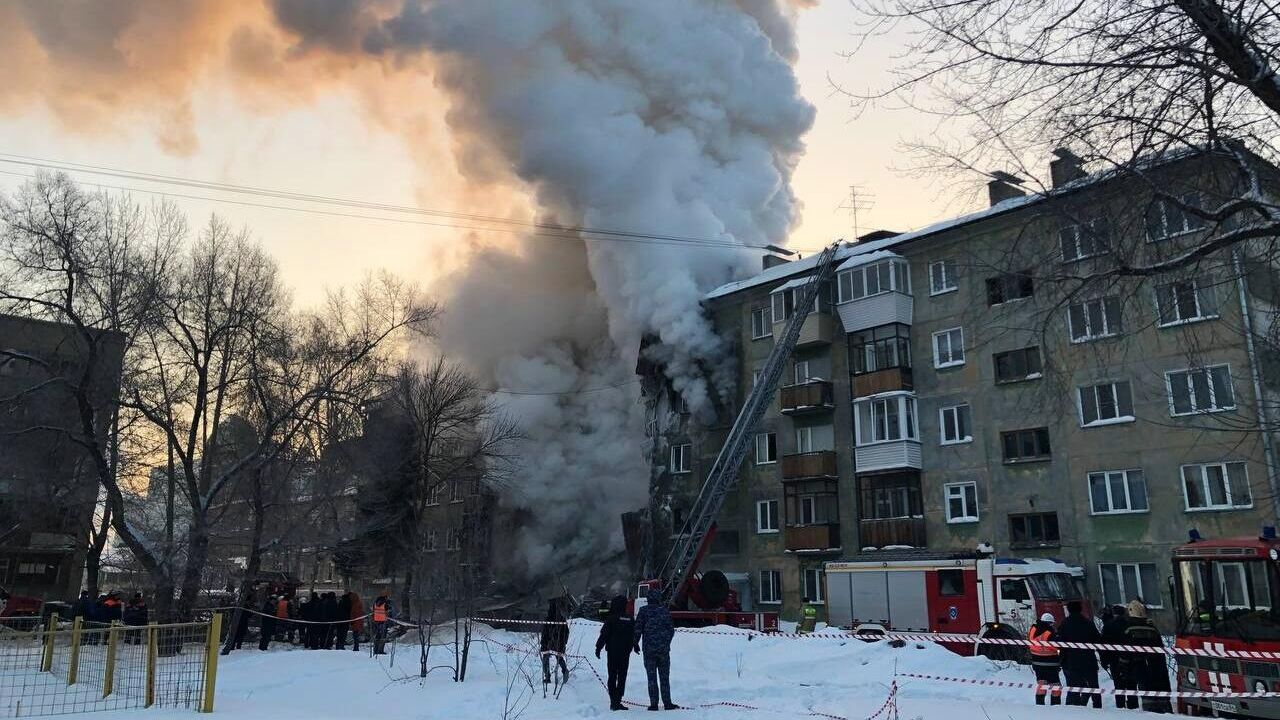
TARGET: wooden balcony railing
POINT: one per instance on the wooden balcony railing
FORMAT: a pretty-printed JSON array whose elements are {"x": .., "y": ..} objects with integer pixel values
[
  {"x": 813, "y": 396},
  {"x": 809, "y": 465},
  {"x": 886, "y": 380},
  {"x": 894, "y": 531},
  {"x": 813, "y": 537}
]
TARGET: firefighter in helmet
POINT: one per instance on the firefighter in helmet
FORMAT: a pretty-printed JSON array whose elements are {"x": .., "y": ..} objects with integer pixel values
[
  {"x": 1044, "y": 661},
  {"x": 808, "y": 617}
]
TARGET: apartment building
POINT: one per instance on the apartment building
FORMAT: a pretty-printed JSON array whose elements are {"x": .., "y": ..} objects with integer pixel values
[
  {"x": 994, "y": 378},
  {"x": 48, "y": 489}
]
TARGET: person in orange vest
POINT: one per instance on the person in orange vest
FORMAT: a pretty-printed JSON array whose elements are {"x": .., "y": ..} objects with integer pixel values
[
  {"x": 283, "y": 628},
  {"x": 357, "y": 620},
  {"x": 381, "y": 616},
  {"x": 1044, "y": 660}
]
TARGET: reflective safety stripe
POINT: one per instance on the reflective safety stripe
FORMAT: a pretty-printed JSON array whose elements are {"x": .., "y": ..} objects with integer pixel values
[
  {"x": 380, "y": 612},
  {"x": 1038, "y": 647}
]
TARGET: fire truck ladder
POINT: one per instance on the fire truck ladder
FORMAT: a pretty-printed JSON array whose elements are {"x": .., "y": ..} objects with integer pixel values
[{"x": 686, "y": 554}]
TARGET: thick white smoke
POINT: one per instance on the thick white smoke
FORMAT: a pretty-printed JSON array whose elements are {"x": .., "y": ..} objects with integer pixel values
[{"x": 678, "y": 117}]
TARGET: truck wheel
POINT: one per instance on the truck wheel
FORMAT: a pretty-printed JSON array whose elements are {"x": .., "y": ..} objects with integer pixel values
[{"x": 1017, "y": 653}]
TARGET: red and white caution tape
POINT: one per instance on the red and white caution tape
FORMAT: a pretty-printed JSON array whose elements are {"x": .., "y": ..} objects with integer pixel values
[{"x": 1056, "y": 689}]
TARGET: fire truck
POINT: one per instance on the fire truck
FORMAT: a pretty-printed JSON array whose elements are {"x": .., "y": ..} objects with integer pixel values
[
  {"x": 706, "y": 598},
  {"x": 1226, "y": 594},
  {"x": 971, "y": 593},
  {"x": 18, "y": 605}
]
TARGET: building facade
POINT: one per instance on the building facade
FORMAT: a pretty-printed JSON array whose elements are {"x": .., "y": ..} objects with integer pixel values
[
  {"x": 994, "y": 378},
  {"x": 48, "y": 486}
]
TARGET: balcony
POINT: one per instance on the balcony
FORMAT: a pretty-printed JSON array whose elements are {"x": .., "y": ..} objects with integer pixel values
[
  {"x": 892, "y": 455},
  {"x": 813, "y": 396},
  {"x": 892, "y": 531},
  {"x": 813, "y": 538},
  {"x": 817, "y": 330},
  {"x": 880, "y": 381},
  {"x": 809, "y": 465}
]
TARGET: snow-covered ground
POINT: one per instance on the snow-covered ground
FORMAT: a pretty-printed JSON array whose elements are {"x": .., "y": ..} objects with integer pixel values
[{"x": 783, "y": 677}]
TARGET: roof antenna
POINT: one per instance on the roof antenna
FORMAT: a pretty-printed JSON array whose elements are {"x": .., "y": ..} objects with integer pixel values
[{"x": 857, "y": 201}]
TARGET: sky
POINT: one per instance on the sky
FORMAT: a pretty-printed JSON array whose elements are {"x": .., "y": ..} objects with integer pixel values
[{"x": 326, "y": 147}]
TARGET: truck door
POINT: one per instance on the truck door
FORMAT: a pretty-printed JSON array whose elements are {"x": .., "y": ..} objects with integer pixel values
[
  {"x": 909, "y": 605},
  {"x": 870, "y": 595},
  {"x": 839, "y": 599},
  {"x": 1015, "y": 601}
]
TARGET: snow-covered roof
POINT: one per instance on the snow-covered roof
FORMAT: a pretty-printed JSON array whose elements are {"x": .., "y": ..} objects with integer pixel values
[
  {"x": 866, "y": 259},
  {"x": 798, "y": 282}
]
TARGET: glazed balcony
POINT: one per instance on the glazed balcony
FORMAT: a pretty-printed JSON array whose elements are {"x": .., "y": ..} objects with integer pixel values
[
  {"x": 820, "y": 464},
  {"x": 809, "y": 397},
  {"x": 813, "y": 538}
]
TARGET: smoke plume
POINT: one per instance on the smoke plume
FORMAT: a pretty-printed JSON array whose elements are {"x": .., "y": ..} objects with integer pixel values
[{"x": 676, "y": 117}]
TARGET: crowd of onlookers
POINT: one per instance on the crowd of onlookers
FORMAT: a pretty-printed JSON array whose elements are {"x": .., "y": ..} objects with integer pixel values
[{"x": 316, "y": 621}]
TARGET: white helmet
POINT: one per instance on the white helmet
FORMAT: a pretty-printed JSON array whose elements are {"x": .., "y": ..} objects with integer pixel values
[{"x": 1047, "y": 617}]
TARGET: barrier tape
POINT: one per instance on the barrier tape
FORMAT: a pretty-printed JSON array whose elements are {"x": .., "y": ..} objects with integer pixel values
[
  {"x": 1057, "y": 689},
  {"x": 889, "y": 701},
  {"x": 348, "y": 621}
]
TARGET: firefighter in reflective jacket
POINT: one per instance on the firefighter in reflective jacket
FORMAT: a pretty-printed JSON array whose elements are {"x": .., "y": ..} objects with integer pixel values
[
  {"x": 808, "y": 618},
  {"x": 1044, "y": 660},
  {"x": 381, "y": 614}
]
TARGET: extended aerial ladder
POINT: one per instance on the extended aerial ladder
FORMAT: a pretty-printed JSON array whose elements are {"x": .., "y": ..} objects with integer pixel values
[{"x": 699, "y": 530}]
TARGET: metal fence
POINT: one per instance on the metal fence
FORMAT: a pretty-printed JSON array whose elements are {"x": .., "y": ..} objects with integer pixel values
[{"x": 53, "y": 667}]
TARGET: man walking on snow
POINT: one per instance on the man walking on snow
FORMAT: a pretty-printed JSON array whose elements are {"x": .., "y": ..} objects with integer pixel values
[{"x": 653, "y": 625}]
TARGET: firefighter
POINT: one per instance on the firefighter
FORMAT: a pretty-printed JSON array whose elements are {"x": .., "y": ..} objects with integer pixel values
[
  {"x": 1150, "y": 670},
  {"x": 555, "y": 637},
  {"x": 1044, "y": 660},
  {"x": 1117, "y": 663},
  {"x": 653, "y": 625},
  {"x": 1079, "y": 667},
  {"x": 616, "y": 637},
  {"x": 381, "y": 616},
  {"x": 809, "y": 618},
  {"x": 267, "y": 622},
  {"x": 284, "y": 630}
]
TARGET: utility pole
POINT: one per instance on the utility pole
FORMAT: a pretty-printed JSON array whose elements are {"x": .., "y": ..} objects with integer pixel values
[{"x": 858, "y": 200}]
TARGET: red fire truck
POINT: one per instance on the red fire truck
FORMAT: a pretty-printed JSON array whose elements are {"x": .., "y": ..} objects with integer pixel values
[
  {"x": 18, "y": 605},
  {"x": 1227, "y": 597},
  {"x": 971, "y": 593}
]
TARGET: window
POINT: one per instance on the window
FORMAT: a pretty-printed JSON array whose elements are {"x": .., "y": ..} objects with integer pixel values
[
  {"x": 808, "y": 510},
  {"x": 1018, "y": 365},
  {"x": 872, "y": 279},
  {"x": 1015, "y": 589},
  {"x": 784, "y": 304},
  {"x": 1167, "y": 218},
  {"x": 1117, "y": 491},
  {"x": 1084, "y": 240},
  {"x": 453, "y": 539},
  {"x": 755, "y": 377},
  {"x": 951, "y": 583},
  {"x": 1216, "y": 486},
  {"x": 801, "y": 375},
  {"x": 962, "y": 502},
  {"x": 954, "y": 424},
  {"x": 767, "y": 516},
  {"x": 1022, "y": 445},
  {"x": 814, "y": 579},
  {"x": 1186, "y": 301},
  {"x": 885, "y": 419},
  {"x": 431, "y": 541},
  {"x": 1010, "y": 286},
  {"x": 1200, "y": 390},
  {"x": 1105, "y": 404},
  {"x": 456, "y": 489},
  {"x": 804, "y": 440},
  {"x": 725, "y": 542},
  {"x": 766, "y": 448},
  {"x": 433, "y": 494},
  {"x": 33, "y": 568},
  {"x": 760, "y": 323},
  {"x": 1094, "y": 319},
  {"x": 680, "y": 455},
  {"x": 886, "y": 497},
  {"x": 942, "y": 277},
  {"x": 1122, "y": 582},
  {"x": 880, "y": 348},
  {"x": 948, "y": 348},
  {"x": 1034, "y": 529},
  {"x": 770, "y": 587}
]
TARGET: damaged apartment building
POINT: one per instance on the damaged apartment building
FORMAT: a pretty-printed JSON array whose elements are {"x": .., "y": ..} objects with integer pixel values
[{"x": 990, "y": 378}]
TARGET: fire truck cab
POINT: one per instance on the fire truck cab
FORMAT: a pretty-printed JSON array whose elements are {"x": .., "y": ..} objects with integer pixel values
[
  {"x": 969, "y": 593},
  {"x": 1227, "y": 597}
]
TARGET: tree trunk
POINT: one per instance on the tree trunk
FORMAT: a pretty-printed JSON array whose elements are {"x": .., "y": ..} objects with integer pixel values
[
  {"x": 93, "y": 556},
  {"x": 252, "y": 566},
  {"x": 197, "y": 557}
]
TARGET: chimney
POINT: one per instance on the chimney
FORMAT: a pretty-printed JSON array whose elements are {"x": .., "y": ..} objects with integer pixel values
[
  {"x": 1004, "y": 186},
  {"x": 771, "y": 260},
  {"x": 1066, "y": 167}
]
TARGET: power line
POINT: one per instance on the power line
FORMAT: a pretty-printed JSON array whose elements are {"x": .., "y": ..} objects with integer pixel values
[{"x": 540, "y": 229}]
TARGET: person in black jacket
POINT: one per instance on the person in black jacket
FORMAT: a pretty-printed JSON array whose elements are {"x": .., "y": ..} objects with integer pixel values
[
  {"x": 344, "y": 613},
  {"x": 1150, "y": 670},
  {"x": 310, "y": 616},
  {"x": 616, "y": 636},
  {"x": 329, "y": 615},
  {"x": 1080, "y": 667},
  {"x": 135, "y": 615},
  {"x": 267, "y": 622},
  {"x": 1113, "y": 634},
  {"x": 555, "y": 637}
]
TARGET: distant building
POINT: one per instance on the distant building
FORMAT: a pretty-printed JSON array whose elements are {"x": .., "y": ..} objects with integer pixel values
[
  {"x": 943, "y": 394},
  {"x": 48, "y": 486}
]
